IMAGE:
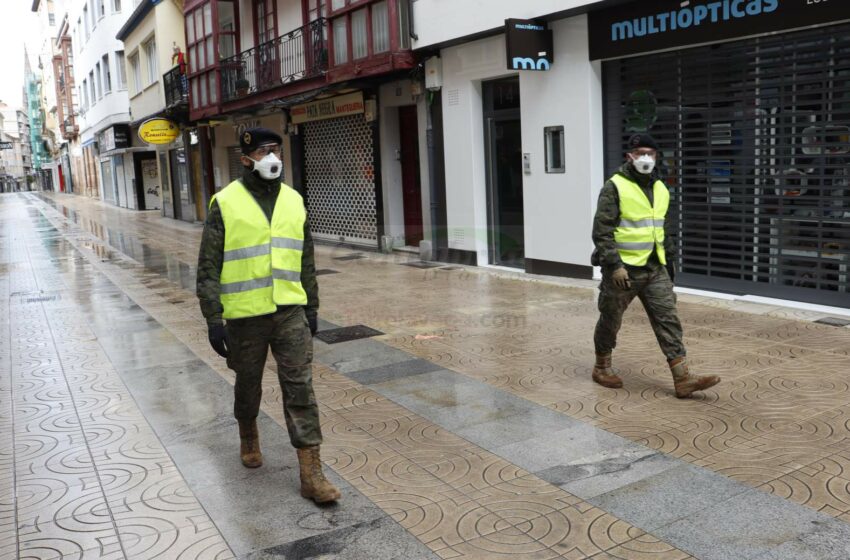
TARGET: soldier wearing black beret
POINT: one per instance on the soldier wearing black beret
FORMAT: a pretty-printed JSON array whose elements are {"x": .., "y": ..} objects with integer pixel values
[
  {"x": 634, "y": 246},
  {"x": 258, "y": 291}
]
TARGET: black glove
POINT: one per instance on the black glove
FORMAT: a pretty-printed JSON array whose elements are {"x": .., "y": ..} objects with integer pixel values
[
  {"x": 313, "y": 321},
  {"x": 218, "y": 340},
  {"x": 671, "y": 271}
]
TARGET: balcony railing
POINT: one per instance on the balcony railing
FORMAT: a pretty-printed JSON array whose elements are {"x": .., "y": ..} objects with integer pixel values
[
  {"x": 176, "y": 87},
  {"x": 300, "y": 54}
]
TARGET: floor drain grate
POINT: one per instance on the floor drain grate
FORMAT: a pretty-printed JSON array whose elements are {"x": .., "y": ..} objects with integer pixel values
[
  {"x": 834, "y": 321},
  {"x": 41, "y": 299},
  {"x": 421, "y": 264},
  {"x": 345, "y": 334},
  {"x": 326, "y": 271},
  {"x": 349, "y": 258}
]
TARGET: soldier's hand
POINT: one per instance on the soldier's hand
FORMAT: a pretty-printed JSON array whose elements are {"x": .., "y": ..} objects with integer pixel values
[
  {"x": 218, "y": 340},
  {"x": 621, "y": 279},
  {"x": 313, "y": 321}
]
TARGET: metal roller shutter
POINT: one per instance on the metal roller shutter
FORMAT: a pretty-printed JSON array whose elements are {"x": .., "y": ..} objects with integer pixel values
[
  {"x": 756, "y": 147},
  {"x": 340, "y": 169}
]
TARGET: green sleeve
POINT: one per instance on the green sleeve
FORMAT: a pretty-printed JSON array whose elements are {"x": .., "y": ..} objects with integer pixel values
[
  {"x": 604, "y": 224},
  {"x": 210, "y": 261},
  {"x": 308, "y": 272}
]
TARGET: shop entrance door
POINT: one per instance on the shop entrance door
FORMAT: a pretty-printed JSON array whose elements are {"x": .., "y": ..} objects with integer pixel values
[
  {"x": 503, "y": 146},
  {"x": 410, "y": 183}
]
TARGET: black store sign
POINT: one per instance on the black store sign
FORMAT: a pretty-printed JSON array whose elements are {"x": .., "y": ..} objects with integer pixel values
[
  {"x": 529, "y": 45},
  {"x": 648, "y": 26}
]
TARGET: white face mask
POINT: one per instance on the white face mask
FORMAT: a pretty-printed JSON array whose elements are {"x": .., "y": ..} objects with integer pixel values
[
  {"x": 644, "y": 164},
  {"x": 269, "y": 167}
]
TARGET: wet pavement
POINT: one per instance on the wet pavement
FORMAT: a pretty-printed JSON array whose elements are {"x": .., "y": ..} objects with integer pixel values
[{"x": 466, "y": 427}]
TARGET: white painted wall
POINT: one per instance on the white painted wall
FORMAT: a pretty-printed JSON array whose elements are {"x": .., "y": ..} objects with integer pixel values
[
  {"x": 438, "y": 21},
  {"x": 558, "y": 207}
]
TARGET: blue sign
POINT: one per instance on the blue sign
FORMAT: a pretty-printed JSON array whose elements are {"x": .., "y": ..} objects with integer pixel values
[{"x": 528, "y": 45}]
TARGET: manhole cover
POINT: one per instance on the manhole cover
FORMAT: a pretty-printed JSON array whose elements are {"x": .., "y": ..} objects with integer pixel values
[
  {"x": 345, "y": 334},
  {"x": 421, "y": 264},
  {"x": 349, "y": 258},
  {"x": 326, "y": 271},
  {"x": 834, "y": 321}
]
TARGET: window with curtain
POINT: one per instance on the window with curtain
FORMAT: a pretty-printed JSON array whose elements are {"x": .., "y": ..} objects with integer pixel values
[
  {"x": 152, "y": 62},
  {"x": 359, "y": 34},
  {"x": 92, "y": 92},
  {"x": 380, "y": 27},
  {"x": 107, "y": 74},
  {"x": 136, "y": 72},
  {"x": 122, "y": 71},
  {"x": 340, "y": 34}
]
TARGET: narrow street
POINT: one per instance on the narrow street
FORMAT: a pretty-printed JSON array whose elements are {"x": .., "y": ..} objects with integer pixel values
[{"x": 467, "y": 427}]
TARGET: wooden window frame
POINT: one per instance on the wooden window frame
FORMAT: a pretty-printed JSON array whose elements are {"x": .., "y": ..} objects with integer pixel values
[
  {"x": 274, "y": 31},
  {"x": 346, "y": 12}
]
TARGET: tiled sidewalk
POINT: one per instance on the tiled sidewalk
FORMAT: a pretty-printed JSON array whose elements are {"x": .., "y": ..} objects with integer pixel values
[{"x": 472, "y": 423}]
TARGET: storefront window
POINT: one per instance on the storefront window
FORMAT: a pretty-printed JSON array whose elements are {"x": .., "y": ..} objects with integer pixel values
[{"x": 755, "y": 139}]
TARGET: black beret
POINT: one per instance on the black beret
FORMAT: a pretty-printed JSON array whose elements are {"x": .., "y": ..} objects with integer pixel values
[
  {"x": 642, "y": 141},
  {"x": 253, "y": 138}
]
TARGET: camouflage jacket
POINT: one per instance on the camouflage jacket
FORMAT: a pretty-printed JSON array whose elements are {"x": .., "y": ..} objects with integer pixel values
[
  {"x": 608, "y": 218},
  {"x": 211, "y": 256}
]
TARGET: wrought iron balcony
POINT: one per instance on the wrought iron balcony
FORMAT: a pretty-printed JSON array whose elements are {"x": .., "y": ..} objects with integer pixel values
[
  {"x": 300, "y": 54},
  {"x": 176, "y": 87}
]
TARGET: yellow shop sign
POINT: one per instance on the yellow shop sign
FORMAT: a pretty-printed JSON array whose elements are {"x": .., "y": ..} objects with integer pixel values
[{"x": 159, "y": 131}]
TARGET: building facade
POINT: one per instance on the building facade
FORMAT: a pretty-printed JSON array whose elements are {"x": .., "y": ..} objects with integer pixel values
[
  {"x": 108, "y": 166},
  {"x": 324, "y": 75},
  {"x": 154, "y": 45},
  {"x": 747, "y": 99}
]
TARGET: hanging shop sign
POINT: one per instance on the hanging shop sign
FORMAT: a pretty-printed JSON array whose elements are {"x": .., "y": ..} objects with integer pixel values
[
  {"x": 158, "y": 131},
  {"x": 340, "y": 106},
  {"x": 528, "y": 45},
  {"x": 648, "y": 26},
  {"x": 5, "y": 145},
  {"x": 116, "y": 137}
]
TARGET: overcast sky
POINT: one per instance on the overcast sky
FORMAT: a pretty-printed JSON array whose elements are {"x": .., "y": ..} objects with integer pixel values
[{"x": 17, "y": 24}]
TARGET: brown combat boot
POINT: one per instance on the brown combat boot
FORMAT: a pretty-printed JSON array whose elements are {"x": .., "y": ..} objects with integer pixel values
[
  {"x": 685, "y": 383},
  {"x": 249, "y": 451},
  {"x": 604, "y": 375},
  {"x": 314, "y": 485}
]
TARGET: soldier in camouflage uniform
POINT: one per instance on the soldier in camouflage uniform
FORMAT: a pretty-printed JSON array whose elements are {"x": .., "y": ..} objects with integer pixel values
[
  {"x": 635, "y": 249},
  {"x": 263, "y": 322}
]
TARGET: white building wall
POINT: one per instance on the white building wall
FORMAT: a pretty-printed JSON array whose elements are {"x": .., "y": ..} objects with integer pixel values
[
  {"x": 558, "y": 207},
  {"x": 439, "y": 21}
]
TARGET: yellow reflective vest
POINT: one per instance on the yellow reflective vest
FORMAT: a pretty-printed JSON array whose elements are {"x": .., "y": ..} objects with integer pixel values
[
  {"x": 262, "y": 260},
  {"x": 641, "y": 228}
]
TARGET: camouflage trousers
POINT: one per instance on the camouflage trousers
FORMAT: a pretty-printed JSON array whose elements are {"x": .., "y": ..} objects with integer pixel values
[
  {"x": 287, "y": 333},
  {"x": 653, "y": 287}
]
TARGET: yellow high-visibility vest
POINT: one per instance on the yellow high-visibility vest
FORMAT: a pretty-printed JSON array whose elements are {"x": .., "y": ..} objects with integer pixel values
[
  {"x": 641, "y": 228},
  {"x": 262, "y": 260}
]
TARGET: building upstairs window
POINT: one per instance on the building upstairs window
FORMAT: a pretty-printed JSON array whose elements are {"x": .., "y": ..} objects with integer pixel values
[{"x": 152, "y": 62}]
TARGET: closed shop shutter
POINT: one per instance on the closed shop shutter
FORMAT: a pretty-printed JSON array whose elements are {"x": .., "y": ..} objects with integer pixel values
[
  {"x": 755, "y": 137},
  {"x": 234, "y": 163},
  {"x": 340, "y": 179}
]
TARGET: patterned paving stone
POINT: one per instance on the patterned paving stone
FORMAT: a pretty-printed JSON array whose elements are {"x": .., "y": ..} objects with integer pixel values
[{"x": 538, "y": 352}]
